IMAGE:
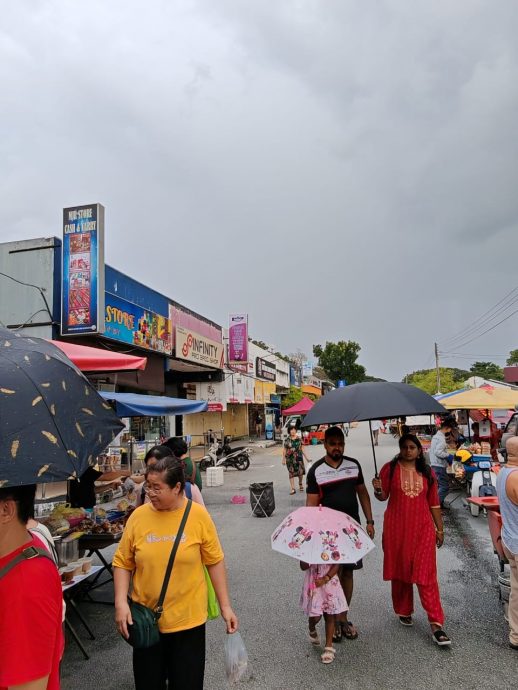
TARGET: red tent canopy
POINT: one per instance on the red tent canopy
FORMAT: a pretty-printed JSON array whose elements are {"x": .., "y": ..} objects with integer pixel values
[
  {"x": 94, "y": 359},
  {"x": 302, "y": 407}
]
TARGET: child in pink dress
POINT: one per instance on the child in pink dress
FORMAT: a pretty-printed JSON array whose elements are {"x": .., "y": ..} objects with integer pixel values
[{"x": 322, "y": 595}]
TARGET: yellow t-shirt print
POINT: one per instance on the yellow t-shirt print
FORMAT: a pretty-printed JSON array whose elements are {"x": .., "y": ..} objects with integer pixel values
[{"x": 144, "y": 550}]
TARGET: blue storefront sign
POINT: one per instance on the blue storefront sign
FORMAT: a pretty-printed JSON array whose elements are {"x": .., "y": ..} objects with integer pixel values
[
  {"x": 132, "y": 324},
  {"x": 82, "y": 307},
  {"x": 342, "y": 383}
]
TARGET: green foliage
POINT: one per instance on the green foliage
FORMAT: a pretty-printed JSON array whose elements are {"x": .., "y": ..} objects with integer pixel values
[
  {"x": 513, "y": 358},
  {"x": 458, "y": 375},
  {"x": 373, "y": 379},
  {"x": 339, "y": 361},
  {"x": 487, "y": 370},
  {"x": 426, "y": 380},
  {"x": 292, "y": 398},
  {"x": 261, "y": 344}
]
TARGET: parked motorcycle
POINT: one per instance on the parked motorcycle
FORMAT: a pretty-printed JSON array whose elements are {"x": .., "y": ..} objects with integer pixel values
[
  {"x": 226, "y": 449},
  {"x": 239, "y": 458},
  {"x": 480, "y": 476}
]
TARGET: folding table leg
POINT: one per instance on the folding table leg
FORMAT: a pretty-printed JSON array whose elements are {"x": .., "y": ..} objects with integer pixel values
[
  {"x": 76, "y": 638},
  {"x": 71, "y": 602}
]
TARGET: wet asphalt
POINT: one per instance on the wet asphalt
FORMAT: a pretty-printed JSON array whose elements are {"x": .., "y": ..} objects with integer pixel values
[{"x": 265, "y": 588}]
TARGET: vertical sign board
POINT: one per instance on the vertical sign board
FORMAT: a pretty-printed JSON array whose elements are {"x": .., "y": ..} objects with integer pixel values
[
  {"x": 238, "y": 338},
  {"x": 82, "y": 293}
]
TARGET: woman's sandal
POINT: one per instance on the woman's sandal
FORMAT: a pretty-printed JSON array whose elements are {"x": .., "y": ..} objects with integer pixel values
[
  {"x": 292, "y": 492},
  {"x": 314, "y": 638},
  {"x": 441, "y": 638},
  {"x": 328, "y": 655},
  {"x": 406, "y": 620},
  {"x": 301, "y": 488}
]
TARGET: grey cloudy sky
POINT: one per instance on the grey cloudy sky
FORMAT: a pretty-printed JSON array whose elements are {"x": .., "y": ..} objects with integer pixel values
[{"x": 338, "y": 169}]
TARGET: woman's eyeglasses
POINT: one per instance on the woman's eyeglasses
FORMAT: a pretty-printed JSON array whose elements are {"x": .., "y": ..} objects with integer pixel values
[{"x": 150, "y": 490}]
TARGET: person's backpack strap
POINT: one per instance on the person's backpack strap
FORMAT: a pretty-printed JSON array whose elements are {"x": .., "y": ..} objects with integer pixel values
[
  {"x": 188, "y": 489},
  {"x": 26, "y": 555},
  {"x": 50, "y": 544},
  {"x": 159, "y": 607}
]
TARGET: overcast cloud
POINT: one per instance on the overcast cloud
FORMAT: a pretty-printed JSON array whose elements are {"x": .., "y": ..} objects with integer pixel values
[{"x": 338, "y": 169}]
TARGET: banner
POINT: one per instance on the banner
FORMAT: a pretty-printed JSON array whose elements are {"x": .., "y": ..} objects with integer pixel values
[
  {"x": 82, "y": 301},
  {"x": 129, "y": 323},
  {"x": 193, "y": 347},
  {"x": 238, "y": 338}
]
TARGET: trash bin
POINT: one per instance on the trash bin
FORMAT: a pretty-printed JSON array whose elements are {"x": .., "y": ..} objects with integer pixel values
[{"x": 262, "y": 499}]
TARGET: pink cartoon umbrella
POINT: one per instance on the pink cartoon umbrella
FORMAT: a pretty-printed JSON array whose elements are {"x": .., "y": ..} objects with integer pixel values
[{"x": 319, "y": 535}]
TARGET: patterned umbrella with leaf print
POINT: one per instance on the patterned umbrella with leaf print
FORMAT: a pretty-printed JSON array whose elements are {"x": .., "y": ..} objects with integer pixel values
[{"x": 53, "y": 423}]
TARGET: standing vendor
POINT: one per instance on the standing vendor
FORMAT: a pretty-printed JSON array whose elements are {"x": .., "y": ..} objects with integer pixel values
[{"x": 82, "y": 492}]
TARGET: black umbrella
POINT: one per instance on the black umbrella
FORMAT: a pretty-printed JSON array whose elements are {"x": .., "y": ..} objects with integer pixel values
[
  {"x": 53, "y": 423},
  {"x": 367, "y": 401}
]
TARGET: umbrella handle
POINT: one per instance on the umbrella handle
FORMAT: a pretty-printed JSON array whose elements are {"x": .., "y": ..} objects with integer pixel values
[{"x": 377, "y": 492}]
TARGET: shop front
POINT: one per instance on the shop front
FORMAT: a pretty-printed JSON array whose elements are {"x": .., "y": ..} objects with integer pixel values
[{"x": 227, "y": 408}]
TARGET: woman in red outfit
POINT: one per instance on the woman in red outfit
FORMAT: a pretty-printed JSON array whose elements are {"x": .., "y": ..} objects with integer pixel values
[{"x": 412, "y": 529}]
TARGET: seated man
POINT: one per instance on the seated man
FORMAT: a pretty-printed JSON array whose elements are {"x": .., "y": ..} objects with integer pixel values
[{"x": 31, "y": 637}]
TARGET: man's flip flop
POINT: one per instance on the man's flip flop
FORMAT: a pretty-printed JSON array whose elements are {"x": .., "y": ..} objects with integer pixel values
[
  {"x": 347, "y": 630},
  {"x": 406, "y": 620},
  {"x": 441, "y": 638}
]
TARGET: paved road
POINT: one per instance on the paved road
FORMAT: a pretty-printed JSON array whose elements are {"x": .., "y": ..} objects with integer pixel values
[{"x": 265, "y": 588}]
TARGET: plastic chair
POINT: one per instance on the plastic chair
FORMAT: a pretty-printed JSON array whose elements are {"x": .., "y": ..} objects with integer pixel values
[{"x": 494, "y": 521}]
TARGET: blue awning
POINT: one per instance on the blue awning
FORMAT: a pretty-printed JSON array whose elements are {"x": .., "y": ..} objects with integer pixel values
[{"x": 135, "y": 405}]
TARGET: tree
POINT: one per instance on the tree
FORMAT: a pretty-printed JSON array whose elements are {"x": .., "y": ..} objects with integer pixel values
[
  {"x": 292, "y": 398},
  {"x": 426, "y": 380},
  {"x": 319, "y": 373},
  {"x": 298, "y": 359},
  {"x": 459, "y": 377},
  {"x": 513, "y": 358},
  {"x": 487, "y": 370},
  {"x": 339, "y": 361}
]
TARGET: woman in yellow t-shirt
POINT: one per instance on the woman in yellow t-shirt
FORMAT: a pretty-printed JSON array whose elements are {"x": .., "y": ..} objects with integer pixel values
[{"x": 141, "y": 560}]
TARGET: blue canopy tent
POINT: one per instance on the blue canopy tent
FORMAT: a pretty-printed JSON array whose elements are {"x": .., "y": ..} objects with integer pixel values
[{"x": 135, "y": 405}]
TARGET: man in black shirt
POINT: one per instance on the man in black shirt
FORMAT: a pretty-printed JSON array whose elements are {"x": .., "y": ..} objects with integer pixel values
[{"x": 337, "y": 482}]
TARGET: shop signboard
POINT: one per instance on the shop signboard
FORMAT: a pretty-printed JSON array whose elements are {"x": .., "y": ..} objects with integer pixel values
[
  {"x": 193, "y": 347},
  {"x": 295, "y": 378},
  {"x": 82, "y": 294},
  {"x": 265, "y": 370},
  {"x": 214, "y": 394},
  {"x": 129, "y": 323},
  {"x": 307, "y": 369},
  {"x": 342, "y": 383},
  {"x": 238, "y": 338}
]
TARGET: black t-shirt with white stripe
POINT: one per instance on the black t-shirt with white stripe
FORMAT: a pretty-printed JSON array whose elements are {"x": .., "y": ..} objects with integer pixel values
[{"x": 336, "y": 487}]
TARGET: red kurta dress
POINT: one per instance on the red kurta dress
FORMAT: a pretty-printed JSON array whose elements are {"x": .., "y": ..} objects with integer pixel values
[{"x": 408, "y": 528}]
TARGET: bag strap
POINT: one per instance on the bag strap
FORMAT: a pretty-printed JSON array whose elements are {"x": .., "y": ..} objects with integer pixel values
[
  {"x": 26, "y": 555},
  {"x": 159, "y": 607}
]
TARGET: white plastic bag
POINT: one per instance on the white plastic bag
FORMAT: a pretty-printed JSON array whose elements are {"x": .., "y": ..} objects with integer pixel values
[{"x": 236, "y": 658}]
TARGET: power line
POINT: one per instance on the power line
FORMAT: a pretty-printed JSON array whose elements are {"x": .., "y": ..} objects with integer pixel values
[
  {"x": 484, "y": 318},
  {"x": 488, "y": 330}
]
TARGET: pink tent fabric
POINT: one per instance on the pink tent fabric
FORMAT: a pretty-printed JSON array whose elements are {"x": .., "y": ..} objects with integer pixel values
[
  {"x": 95, "y": 359},
  {"x": 302, "y": 407}
]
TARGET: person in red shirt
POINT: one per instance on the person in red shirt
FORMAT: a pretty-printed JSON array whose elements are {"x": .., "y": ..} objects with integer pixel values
[{"x": 31, "y": 636}]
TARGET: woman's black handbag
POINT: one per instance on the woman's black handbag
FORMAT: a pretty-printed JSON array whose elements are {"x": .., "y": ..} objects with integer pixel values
[{"x": 144, "y": 632}]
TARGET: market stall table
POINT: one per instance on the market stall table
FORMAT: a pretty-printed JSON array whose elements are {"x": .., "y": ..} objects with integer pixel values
[
  {"x": 95, "y": 544},
  {"x": 68, "y": 594}
]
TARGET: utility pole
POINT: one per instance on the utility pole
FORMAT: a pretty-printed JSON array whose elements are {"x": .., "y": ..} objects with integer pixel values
[{"x": 438, "y": 371}]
